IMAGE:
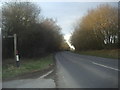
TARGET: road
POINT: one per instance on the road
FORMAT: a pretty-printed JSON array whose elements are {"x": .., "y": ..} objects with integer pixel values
[
  {"x": 82, "y": 71},
  {"x": 39, "y": 82}
]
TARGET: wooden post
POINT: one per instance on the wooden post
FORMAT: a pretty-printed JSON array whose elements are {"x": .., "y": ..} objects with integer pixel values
[
  {"x": 16, "y": 51},
  {"x": 15, "y": 45}
]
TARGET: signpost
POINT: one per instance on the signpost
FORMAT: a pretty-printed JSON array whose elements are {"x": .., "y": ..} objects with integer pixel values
[
  {"x": 16, "y": 51},
  {"x": 16, "y": 54},
  {"x": 15, "y": 45}
]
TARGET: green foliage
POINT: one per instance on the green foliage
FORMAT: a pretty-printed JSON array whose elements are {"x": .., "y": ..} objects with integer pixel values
[
  {"x": 17, "y": 17},
  {"x": 36, "y": 35},
  {"x": 31, "y": 65},
  {"x": 97, "y": 30},
  {"x": 102, "y": 53}
]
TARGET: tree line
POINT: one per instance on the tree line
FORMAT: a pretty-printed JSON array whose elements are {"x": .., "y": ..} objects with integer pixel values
[
  {"x": 97, "y": 30},
  {"x": 36, "y": 35}
]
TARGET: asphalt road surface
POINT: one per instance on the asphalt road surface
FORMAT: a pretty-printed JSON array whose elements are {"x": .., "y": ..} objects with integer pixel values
[
  {"x": 82, "y": 71},
  {"x": 39, "y": 82}
]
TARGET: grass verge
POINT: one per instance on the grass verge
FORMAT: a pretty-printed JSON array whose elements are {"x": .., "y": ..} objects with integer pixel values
[
  {"x": 102, "y": 53},
  {"x": 31, "y": 65}
]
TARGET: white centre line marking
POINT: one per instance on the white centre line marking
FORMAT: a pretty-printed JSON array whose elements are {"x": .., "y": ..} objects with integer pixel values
[{"x": 105, "y": 66}]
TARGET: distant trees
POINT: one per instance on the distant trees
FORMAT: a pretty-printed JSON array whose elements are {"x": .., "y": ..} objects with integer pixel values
[
  {"x": 97, "y": 30},
  {"x": 64, "y": 46},
  {"x": 36, "y": 35}
]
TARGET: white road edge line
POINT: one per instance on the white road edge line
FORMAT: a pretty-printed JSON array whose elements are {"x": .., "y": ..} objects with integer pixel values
[
  {"x": 106, "y": 66},
  {"x": 46, "y": 74}
]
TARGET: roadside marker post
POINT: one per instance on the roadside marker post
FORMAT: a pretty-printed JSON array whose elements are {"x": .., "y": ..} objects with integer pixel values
[{"x": 17, "y": 59}]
